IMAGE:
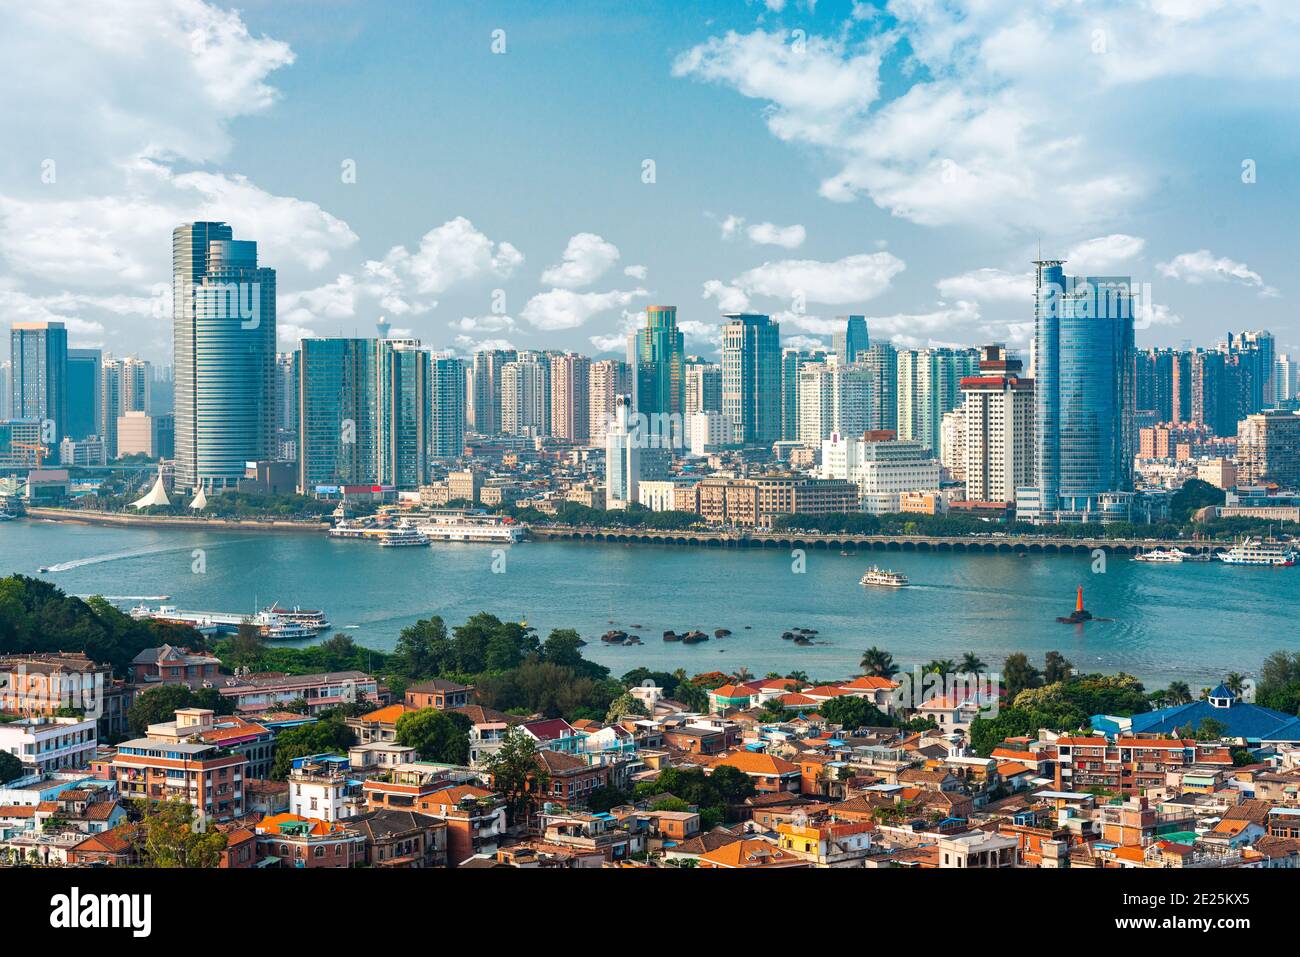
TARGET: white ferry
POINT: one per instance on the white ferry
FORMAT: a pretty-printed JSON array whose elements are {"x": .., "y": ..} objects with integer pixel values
[
  {"x": 1260, "y": 551},
  {"x": 271, "y": 625},
  {"x": 1167, "y": 555},
  {"x": 881, "y": 576},
  {"x": 303, "y": 616},
  {"x": 404, "y": 536},
  {"x": 488, "y": 528}
]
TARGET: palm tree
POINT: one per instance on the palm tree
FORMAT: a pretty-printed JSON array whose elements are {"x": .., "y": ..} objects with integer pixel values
[
  {"x": 878, "y": 662},
  {"x": 971, "y": 664},
  {"x": 941, "y": 668},
  {"x": 1158, "y": 699},
  {"x": 1235, "y": 682},
  {"x": 1178, "y": 692}
]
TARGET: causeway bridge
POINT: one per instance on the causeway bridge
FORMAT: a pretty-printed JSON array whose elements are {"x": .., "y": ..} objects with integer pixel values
[{"x": 1011, "y": 544}]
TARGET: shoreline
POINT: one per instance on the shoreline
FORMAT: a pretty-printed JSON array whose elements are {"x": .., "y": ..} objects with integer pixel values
[{"x": 1020, "y": 544}]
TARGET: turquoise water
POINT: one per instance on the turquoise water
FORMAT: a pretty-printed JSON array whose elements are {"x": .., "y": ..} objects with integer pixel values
[{"x": 1192, "y": 622}]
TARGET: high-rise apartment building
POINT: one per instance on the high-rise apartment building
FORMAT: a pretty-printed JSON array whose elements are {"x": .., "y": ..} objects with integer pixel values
[
  {"x": 792, "y": 363},
  {"x": 124, "y": 386},
  {"x": 447, "y": 398},
  {"x": 1268, "y": 449},
  {"x": 484, "y": 390},
  {"x": 571, "y": 398},
  {"x": 224, "y": 341},
  {"x": 526, "y": 395},
  {"x": 751, "y": 376},
  {"x": 609, "y": 379},
  {"x": 997, "y": 428},
  {"x": 929, "y": 384}
]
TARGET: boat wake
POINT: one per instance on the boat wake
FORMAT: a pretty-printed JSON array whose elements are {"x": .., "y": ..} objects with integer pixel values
[{"x": 119, "y": 556}]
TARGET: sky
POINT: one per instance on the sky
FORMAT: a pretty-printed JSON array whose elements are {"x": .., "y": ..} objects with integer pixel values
[{"x": 533, "y": 174}]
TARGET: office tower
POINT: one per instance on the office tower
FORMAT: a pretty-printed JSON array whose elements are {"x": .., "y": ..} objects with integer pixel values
[
  {"x": 659, "y": 351},
  {"x": 751, "y": 376},
  {"x": 447, "y": 395},
  {"x": 525, "y": 392},
  {"x": 484, "y": 396},
  {"x": 929, "y": 384},
  {"x": 851, "y": 341},
  {"x": 1268, "y": 449},
  {"x": 224, "y": 339},
  {"x": 570, "y": 397},
  {"x": 338, "y": 412},
  {"x": 38, "y": 370},
  {"x": 881, "y": 359},
  {"x": 622, "y": 456},
  {"x": 1218, "y": 392},
  {"x": 1084, "y": 439},
  {"x": 792, "y": 362},
  {"x": 997, "y": 428},
  {"x": 6, "y": 398},
  {"x": 609, "y": 378},
  {"x": 84, "y": 367}
]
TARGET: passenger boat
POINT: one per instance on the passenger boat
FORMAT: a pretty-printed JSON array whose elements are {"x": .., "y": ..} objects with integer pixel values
[
  {"x": 1260, "y": 551},
  {"x": 272, "y": 625},
  {"x": 402, "y": 537},
  {"x": 882, "y": 576}
]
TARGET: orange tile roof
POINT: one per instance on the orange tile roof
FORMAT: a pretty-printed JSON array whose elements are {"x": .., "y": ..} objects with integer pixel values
[
  {"x": 1151, "y": 743},
  {"x": 1010, "y": 755},
  {"x": 749, "y": 853},
  {"x": 731, "y": 691},
  {"x": 826, "y": 691},
  {"x": 1129, "y": 852},
  {"x": 388, "y": 715},
  {"x": 1011, "y": 768},
  {"x": 794, "y": 699},
  {"x": 271, "y": 824},
  {"x": 871, "y": 683},
  {"x": 751, "y": 763}
]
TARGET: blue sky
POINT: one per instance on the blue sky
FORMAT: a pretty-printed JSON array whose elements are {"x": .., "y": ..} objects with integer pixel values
[{"x": 903, "y": 160}]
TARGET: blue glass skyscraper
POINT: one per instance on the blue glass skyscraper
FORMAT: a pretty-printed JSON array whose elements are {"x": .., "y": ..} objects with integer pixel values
[{"x": 1085, "y": 394}]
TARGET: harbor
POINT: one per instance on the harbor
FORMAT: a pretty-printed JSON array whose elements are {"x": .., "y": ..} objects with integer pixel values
[{"x": 994, "y": 604}]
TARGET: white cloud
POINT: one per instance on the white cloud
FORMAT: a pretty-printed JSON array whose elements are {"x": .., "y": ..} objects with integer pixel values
[
  {"x": 769, "y": 234},
  {"x": 491, "y": 323},
  {"x": 1203, "y": 266},
  {"x": 587, "y": 257},
  {"x": 335, "y": 300},
  {"x": 851, "y": 279},
  {"x": 731, "y": 226},
  {"x": 469, "y": 344},
  {"x": 730, "y": 299},
  {"x": 1004, "y": 112},
  {"x": 989, "y": 285},
  {"x": 566, "y": 309},
  {"x": 1095, "y": 256},
  {"x": 452, "y": 253},
  {"x": 636, "y": 272}
]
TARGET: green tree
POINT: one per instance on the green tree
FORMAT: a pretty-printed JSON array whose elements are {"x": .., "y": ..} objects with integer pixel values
[
  {"x": 441, "y": 736},
  {"x": 1210, "y": 729},
  {"x": 1056, "y": 667},
  {"x": 1018, "y": 674},
  {"x": 157, "y": 705},
  {"x": 852, "y": 713},
  {"x": 943, "y": 668},
  {"x": 972, "y": 664},
  {"x": 329, "y": 735},
  {"x": 10, "y": 767},
  {"x": 1235, "y": 682},
  {"x": 1179, "y": 693},
  {"x": 423, "y": 649},
  {"x": 625, "y": 704},
  {"x": 171, "y": 837},
  {"x": 605, "y": 797},
  {"x": 513, "y": 767},
  {"x": 876, "y": 661}
]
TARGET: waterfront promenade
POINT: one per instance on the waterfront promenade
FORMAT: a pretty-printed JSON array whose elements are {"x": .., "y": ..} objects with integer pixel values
[{"x": 707, "y": 538}]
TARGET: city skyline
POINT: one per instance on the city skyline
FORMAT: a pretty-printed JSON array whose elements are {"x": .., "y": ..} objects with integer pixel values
[{"x": 933, "y": 249}]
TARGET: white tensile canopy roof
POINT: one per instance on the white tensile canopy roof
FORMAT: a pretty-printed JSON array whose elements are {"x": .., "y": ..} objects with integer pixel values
[{"x": 155, "y": 496}]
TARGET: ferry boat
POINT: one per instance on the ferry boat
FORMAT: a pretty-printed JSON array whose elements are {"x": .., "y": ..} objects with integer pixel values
[
  {"x": 402, "y": 537},
  {"x": 272, "y": 625},
  {"x": 881, "y": 576},
  {"x": 487, "y": 528},
  {"x": 303, "y": 616},
  {"x": 1167, "y": 555},
  {"x": 1260, "y": 551}
]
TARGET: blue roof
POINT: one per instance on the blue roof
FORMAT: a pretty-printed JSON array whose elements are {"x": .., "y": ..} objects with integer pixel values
[
  {"x": 1222, "y": 692},
  {"x": 1250, "y": 721}
]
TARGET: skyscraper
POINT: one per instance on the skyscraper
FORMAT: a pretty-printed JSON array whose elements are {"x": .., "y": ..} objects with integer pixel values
[
  {"x": 286, "y": 406},
  {"x": 224, "y": 340},
  {"x": 484, "y": 395},
  {"x": 38, "y": 356},
  {"x": 751, "y": 376},
  {"x": 997, "y": 428},
  {"x": 84, "y": 367},
  {"x": 447, "y": 395},
  {"x": 1085, "y": 393},
  {"x": 929, "y": 384},
  {"x": 659, "y": 350},
  {"x": 622, "y": 456},
  {"x": 851, "y": 341},
  {"x": 525, "y": 394},
  {"x": 610, "y": 378},
  {"x": 792, "y": 362},
  {"x": 6, "y": 396},
  {"x": 703, "y": 388},
  {"x": 881, "y": 359},
  {"x": 570, "y": 397}
]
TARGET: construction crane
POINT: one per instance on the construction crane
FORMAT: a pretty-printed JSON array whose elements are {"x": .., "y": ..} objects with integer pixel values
[{"x": 40, "y": 450}]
